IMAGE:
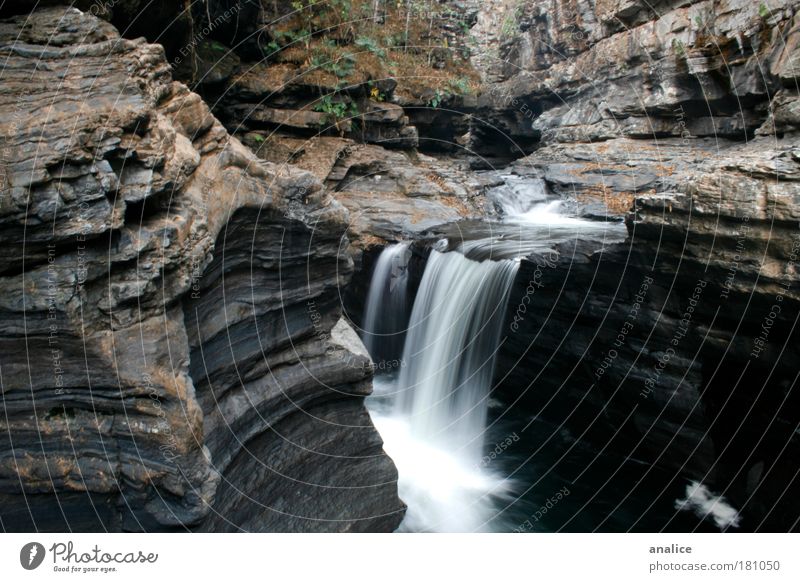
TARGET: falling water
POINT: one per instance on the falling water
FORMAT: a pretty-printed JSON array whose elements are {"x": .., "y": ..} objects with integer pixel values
[
  {"x": 386, "y": 312},
  {"x": 450, "y": 350},
  {"x": 526, "y": 201},
  {"x": 433, "y": 415},
  {"x": 517, "y": 195},
  {"x": 432, "y": 409}
]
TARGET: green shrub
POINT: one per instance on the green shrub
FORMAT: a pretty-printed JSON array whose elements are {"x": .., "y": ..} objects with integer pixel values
[
  {"x": 335, "y": 111},
  {"x": 369, "y": 44}
]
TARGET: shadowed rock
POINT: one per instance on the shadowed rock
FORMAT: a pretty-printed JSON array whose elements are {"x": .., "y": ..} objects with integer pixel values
[{"x": 167, "y": 308}]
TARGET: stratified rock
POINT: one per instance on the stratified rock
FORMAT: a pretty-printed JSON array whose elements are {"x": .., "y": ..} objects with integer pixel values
[
  {"x": 603, "y": 178},
  {"x": 390, "y": 195},
  {"x": 168, "y": 299},
  {"x": 589, "y": 71},
  {"x": 677, "y": 347}
]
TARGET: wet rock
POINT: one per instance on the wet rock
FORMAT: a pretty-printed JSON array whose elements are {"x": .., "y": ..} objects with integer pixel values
[{"x": 675, "y": 347}]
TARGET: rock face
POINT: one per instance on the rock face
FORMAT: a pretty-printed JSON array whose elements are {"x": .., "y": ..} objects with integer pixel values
[
  {"x": 677, "y": 347},
  {"x": 595, "y": 70},
  {"x": 172, "y": 351},
  {"x": 390, "y": 195}
]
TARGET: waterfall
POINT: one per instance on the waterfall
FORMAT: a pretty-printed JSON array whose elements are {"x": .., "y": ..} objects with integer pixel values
[
  {"x": 386, "y": 311},
  {"x": 527, "y": 200},
  {"x": 517, "y": 195},
  {"x": 433, "y": 415},
  {"x": 450, "y": 350}
]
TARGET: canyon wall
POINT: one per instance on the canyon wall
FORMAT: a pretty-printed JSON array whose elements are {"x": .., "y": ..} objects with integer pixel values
[
  {"x": 173, "y": 354},
  {"x": 677, "y": 347}
]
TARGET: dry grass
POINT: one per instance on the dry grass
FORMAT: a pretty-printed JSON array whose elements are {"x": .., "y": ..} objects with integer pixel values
[
  {"x": 456, "y": 204},
  {"x": 321, "y": 57},
  {"x": 365, "y": 241},
  {"x": 615, "y": 202}
]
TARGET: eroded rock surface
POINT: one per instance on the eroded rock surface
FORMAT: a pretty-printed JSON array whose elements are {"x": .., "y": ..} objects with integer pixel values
[
  {"x": 578, "y": 71},
  {"x": 167, "y": 358},
  {"x": 677, "y": 347},
  {"x": 391, "y": 195}
]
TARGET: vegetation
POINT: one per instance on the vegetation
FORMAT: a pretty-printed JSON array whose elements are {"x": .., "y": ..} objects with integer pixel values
[
  {"x": 509, "y": 26},
  {"x": 458, "y": 86},
  {"x": 510, "y": 23},
  {"x": 704, "y": 22},
  {"x": 375, "y": 93},
  {"x": 369, "y": 44},
  {"x": 335, "y": 110},
  {"x": 346, "y": 44},
  {"x": 339, "y": 65},
  {"x": 217, "y": 46},
  {"x": 678, "y": 47},
  {"x": 437, "y": 98}
]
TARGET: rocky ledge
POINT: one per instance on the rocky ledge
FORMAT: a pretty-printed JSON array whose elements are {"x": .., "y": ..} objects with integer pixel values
[
  {"x": 579, "y": 71},
  {"x": 678, "y": 347},
  {"x": 390, "y": 195},
  {"x": 172, "y": 351}
]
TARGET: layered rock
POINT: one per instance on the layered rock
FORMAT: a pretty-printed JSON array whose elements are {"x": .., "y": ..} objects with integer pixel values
[
  {"x": 606, "y": 69},
  {"x": 287, "y": 98},
  {"x": 390, "y": 195},
  {"x": 677, "y": 346},
  {"x": 171, "y": 355}
]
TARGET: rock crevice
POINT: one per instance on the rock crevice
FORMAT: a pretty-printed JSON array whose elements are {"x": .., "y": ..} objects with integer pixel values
[{"x": 167, "y": 302}]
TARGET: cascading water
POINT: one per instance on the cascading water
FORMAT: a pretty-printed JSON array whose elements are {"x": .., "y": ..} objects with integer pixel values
[
  {"x": 525, "y": 200},
  {"x": 453, "y": 337},
  {"x": 517, "y": 195},
  {"x": 433, "y": 414},
  {"x": 386, "y": 312}
]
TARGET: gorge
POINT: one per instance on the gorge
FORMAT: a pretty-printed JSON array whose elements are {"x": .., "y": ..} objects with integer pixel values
[{"x": 425, "y": 266}]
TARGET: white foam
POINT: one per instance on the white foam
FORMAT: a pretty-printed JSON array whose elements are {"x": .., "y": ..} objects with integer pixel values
[
  {"x": 432, "y": 416},
  {"x": 443, "y": 492},
  {"x": 707, "y": 505},
  {"x": 526, "y": 201}
]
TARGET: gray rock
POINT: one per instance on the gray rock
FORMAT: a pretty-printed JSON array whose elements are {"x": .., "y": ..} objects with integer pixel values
[
  {"x": 679, "y": 116},
  {"x": 158, "y": 368}
]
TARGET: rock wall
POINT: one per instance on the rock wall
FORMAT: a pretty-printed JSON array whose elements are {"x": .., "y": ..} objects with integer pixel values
[
  {"x": 580, "y": 70},
  {"x": 677, "y": 347},
  {"x": 306, "y": 89},
  {"x": 172, "y": 350}
]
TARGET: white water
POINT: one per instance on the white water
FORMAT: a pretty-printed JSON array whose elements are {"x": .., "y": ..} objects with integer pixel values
[
  {"x": 432, "y": 416},
  {"x": 386, "y": 313},
  {"x": 518, "y": 195},
  {"x": 706, "y": 505},
  {"x": 450, "y": 349},
  {"x": 526, "y": 201},
  {"x": 548, "y": 213}
]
